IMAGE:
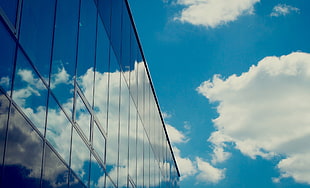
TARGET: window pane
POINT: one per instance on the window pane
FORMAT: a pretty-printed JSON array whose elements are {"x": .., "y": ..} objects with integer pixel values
[
  {"x": 86, "y": 51},
  {"x": 101, "y": 76},
  {"x": 58, "y": 130},
  {"x": 36, "y": 32},
  {"x": 82, "y": 116},
  {"x": 99, "y": 142},
  {"x": 7, "y": 49},
  {"x": 4, "y": 110},
  {"x": 10, "y": 9},
  {"x": 80, "y": 158},
  {"x": 55, "y": 173},
  {"x": 23, "y": 157},
  {"x": 97, "y": 175},
  {"x": 104, "y": 8},
  {"x": 29, "y": 92},
  {"x": 64, "y": 52},
  {"x": 116, "y": 29}
]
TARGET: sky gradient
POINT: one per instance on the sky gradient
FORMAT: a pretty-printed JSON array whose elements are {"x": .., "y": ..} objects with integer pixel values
[{"x": 233, "y": 81}]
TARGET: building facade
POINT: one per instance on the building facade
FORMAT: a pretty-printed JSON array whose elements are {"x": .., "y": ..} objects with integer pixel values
[{"x": 77, "y": 105}]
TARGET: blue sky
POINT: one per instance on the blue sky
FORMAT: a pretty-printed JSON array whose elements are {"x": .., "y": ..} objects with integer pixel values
[{"x": 232, "y": 79}]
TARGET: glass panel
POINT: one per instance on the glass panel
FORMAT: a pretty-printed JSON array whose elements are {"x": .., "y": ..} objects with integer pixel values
[
  {"x": 55, "y": 173},
  {"x": 7, "y": 49},
  {"x": 10, "y": 9},
  {"x": 82, "y": 117},
  {"x": 29, "y": 92},
  {"x": 58, "y": 130},
  {"x": 133, "y": 142},
  {"x": 36, "y": 32},
  {"x": 109, "y": 183},
  {"x": 125, "y": 59},
  {"x": 113, "y": 119},
  {"x": 123, "y": 139},
  {"x": 146, "y": 169},
  {"x": 80, "y": 158},
  {"x": 99, "y": 142},
  {"x": 4, "y": 110},
  {"x": 97, "y": 175},
  {"x": 86, "y": 49},
  {"x": 75, "y": 182},
  {"x": 116, "y": 29},
  {"x": 23, "y": 156},
  {"x": 64, "y": 52},
  {"x": 104, "y": 8},
  {"x": 101, "y": 76},
  {"x": 140, "y": 153}
]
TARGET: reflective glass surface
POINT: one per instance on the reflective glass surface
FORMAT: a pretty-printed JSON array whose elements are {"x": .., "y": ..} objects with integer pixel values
[
  {"x": 23, "y": 154},
  {"x": 10, "y": 9},
  {"x": 64, "y": 52},
  {"x": 7, "y": 55},
  {"x": 86, "y": 49},
  {"x": 36, "y": 33},
  {"x": 58, "y": 129},
  {"x": 29, "y": 92},
  {"x": 4, "y": 109},
  {"x": 79, "y": 90},
  {"x": 55, "y": 172}
]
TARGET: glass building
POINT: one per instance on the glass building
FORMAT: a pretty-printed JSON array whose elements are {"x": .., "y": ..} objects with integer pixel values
[{"x": 77, "y": 105}]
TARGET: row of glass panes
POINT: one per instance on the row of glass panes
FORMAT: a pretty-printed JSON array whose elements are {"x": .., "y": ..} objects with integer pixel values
[{"x": 61, "y": 82}]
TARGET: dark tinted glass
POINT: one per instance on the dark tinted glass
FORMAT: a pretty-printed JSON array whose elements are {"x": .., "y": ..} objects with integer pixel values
[
  {"x": 4, "y": 110},
  {"x": 116, "y": 28},
  {"x": 104, "y": 8},
  {"x": 36, "y": 32},
  {"x": 86, "y": 49},
  {"x": 55, "y": 173},
  {"x": 29, "y": 92},
  {"x": 58, "y": 129},
  {"x": 10, "y": 9},
  {"x": 7, "y": 49},
  {"x": 64, "y": 52},
  {"x": 23, "y": 157}
]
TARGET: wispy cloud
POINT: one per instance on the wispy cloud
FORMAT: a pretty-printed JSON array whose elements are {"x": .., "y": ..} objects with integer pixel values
[
  {"x": 282, "y": 10},
  {"x": 212, "y": 13},
  {"x": 265, "y": 112}
]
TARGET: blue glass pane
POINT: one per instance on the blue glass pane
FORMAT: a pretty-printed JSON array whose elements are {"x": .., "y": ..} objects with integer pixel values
[
  {"x": 104, "y": 8},
  {"x": 7, "y": 49},
  {"x": 64, "y": 52},
  {"x": 58, "y": 129},
  {"x": 4, "y": 110},
  {"x": 23, "y": 156},
  {"x": 101, "y": 76},
  {"x": 80, "y": 158},
  {"x": 97, "y": 175},
  {"x": 74, "y": 182},
  {"x": 116, "y": 28},
  {"x": 126, "y": 34},
  {"x": 10, "y": 9},
  {"x": 29, "y": 92},
  {"x": 55, "y": 173},
  {"x": 36, "y": 32},
  {"x": 86, "y": 50}
]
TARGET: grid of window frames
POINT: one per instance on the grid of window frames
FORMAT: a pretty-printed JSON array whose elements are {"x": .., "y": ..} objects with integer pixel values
[{"x": 77, "y": 107}]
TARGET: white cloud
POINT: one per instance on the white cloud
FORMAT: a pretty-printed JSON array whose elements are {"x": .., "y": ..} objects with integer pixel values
[
  {"x": 282, "y": 10},
  {"x": 175, "y": 135},
  {"x": 212, "y": 13},
  {"x": 265, "y": 112},
  {"x": 186, "y": 166},
  {"x": 208, "y": 173}
]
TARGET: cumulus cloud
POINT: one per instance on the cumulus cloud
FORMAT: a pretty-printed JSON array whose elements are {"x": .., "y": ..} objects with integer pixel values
[
  {"x": 212, "y": 13},
  {"x": 208, "y": 173},
  {"x": 265, "y": 112},
  {"x": 175, "y": 135},
  {"x": 282, "y": 10}
]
